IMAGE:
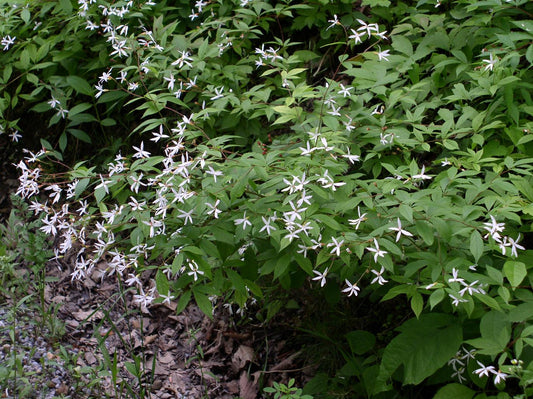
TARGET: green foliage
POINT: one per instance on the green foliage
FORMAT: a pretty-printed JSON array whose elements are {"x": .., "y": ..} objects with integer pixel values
[
  {"x": 289, "y": 391},
  {"x": 275, "y": 146}
]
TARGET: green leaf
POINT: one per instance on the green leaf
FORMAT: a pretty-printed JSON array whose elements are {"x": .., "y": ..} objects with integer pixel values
[
  {"x": 422, "y": 347},
  {"x": 360, "y": 341},
  {"x": 417, "y": 304},
  {"x": 515, "y": 272},
  {"x": 495, "y": 327},
  {"x": 476, "y": 245},
  {"x": 161, "y": 283},
  {"x": 203, "y": 302},
  {"x": 80, "y": 85},
  {"x": 425, "y": 231},
  {"x": 436, "y": 297},
  {"x": 183, "y": 301},
  {"x": 454, "y": 391}
]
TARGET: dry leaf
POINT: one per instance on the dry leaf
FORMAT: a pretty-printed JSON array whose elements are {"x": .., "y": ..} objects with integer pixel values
[
  {"x": 242, "y": 356},
  {"x": 247, "y": 388},
  {"x": 89, "y": 315}
]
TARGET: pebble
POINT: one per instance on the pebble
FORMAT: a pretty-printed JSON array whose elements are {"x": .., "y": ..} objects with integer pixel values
[{"x": 41, "y": 366}]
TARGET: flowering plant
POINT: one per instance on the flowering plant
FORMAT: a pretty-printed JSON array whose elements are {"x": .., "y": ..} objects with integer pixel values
[{"x": 377, "y": 166}]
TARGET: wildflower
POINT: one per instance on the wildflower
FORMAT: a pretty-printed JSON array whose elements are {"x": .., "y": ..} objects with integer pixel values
[
  {"x": 490, "y": 63},
  {"x": 455, "y": 278},
  {"x": 167, "y": 298},
  {"x": 321, "y": 276},
  {"x": 333, "y": 22},
  {"x": 306, "y": 151},
  {"x": 7, "y": 41},
  {"x": 194, "y": 269},
  {"x": 514, "y": 245},
  {"x": 382, "y": 55},
  {"x": 367, "y": 28},
  {"x": 187, "y": 216},
  {"x": 345, "y": 91},
  {"x": 336, "y": 246},
  {"x": 62, "y": 112},
  {"x": 377, "y": 252},
  {"x": 153, "y": 224},
  {"x": 214, "y": 173},
  {"x": 379, "y": 277},
  {"x": 499, "y": 377},
  {"x": 214, "y": 210},
  {"x": 141, "y": 153},
  {"x": 133, "y": 279},
  {"x": 158, "y": 136},
  {"x": 53, "y": 102},
  {"x": 352, "y": 289},
  {"x": 469, "y": 288},
  {"x": 356, "y": 36},
  {"x": 244, "y": 221},
  {"x": 143, "y": 299},
  {"x": 352, "y": 158},
  {"x": 15, "y": 135},
  {"x": 494, "y": 228},
  {"x": 267, "y": 224},
  {"x": 484, "y": 370},
  {"x": 457, "y": 301},
  {"x": 359, "y": 220},
  {"x": 422, "y": 175},
  {"x": 218, "y": 93},
  {"x": 400, "y": 231}
]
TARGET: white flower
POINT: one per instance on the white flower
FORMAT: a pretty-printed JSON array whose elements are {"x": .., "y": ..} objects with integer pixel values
[
  {"x": 494, "y": 228},
  {"x": 7, "y": 41},
  {"x": 333, "y": 22},
  {"x": 268, "y": 226},
  {"x": 356, "y": 36},
  {"x": 379, "y": 277},
  {"x": 336, "y": 246},
  {"x": 422, "y": 175},
  {"x": 400, "y": 231},
  {"x": 345, "y": 91},
  {"x": 499, "y": 377},
  {"x": 484, "y": 371},
  {"x": 244, "y": 221},
  {"x": 490, "y": 63},
  {"x": 214, "y": 210},
  {"x": 455, "y": 278},
  {"x": 141, "y": 153},
  {"x": 383, "y": 54},
  {"x": 321, "y": 277},
  {"x": 214, "y": 173},
  {"x": 187, "y": 216},
  {"x": 357, "y": 222},
  {"x": 377, "y": 252},
  {"x": 352, "y": 289}
]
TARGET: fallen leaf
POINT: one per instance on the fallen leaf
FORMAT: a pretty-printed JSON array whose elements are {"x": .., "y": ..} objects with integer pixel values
[
  {"x": 247, "y": 388},
  {"x": 242, "y": 356}
]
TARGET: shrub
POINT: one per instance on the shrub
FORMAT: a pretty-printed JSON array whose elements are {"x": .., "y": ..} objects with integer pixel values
[{"x": 373, "y": 165}]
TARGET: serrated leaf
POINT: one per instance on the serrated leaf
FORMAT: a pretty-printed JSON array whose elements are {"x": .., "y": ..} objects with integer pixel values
[
  {"x": 422, "y": 347},
  {"x": 80, "y": 85},
  {"x": 417, "y": 304},
  {"x": 436, "y": 297},
  {"x": 203, "y": 302},
  {"x": 476, "y": 245},
  {"x": 454, "y": 391},
  {"x": 360, "y": 341},
  {"x": 425, "y": 231},
  {"x": 515, "y": 272},
  {"x": 161, "y": 283},
  {"x": 183, "y": 301}
]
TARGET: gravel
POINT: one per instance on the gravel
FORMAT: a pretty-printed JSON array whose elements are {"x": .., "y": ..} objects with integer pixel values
[{"x": 40, "y": 371}]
